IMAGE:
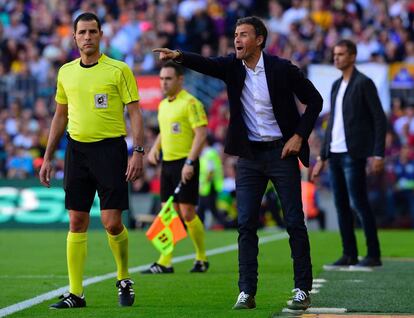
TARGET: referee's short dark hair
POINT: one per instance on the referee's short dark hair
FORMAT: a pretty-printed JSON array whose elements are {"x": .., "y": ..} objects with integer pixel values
[
  {"x": 179, "y": 70},
  {"x": 350, "y": 46},
  {"x": 87, "y": 16},
  {"x": 258, "y": 25}
]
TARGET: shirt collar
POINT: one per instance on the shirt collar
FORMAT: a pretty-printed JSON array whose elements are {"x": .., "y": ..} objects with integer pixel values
[
  {"x": 259, "y": 65},
  {"x": 173, "y": 98}
]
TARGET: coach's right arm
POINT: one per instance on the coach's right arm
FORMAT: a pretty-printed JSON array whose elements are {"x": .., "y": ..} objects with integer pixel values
[
  {"x": 212, "y": 66},
  {"x": 57, "y": 129}
]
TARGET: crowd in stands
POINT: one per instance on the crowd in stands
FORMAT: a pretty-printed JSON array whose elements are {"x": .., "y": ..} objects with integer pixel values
[{"x": 36, "y": 39}]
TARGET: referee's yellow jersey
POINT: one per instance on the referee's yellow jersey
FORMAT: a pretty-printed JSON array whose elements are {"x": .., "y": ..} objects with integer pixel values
[
  {"x": 96, "y": 97},
  {"x": 177, "y": 119}
]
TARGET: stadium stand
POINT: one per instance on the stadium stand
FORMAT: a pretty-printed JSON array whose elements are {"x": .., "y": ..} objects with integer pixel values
[{"x": 36, "y": 39}]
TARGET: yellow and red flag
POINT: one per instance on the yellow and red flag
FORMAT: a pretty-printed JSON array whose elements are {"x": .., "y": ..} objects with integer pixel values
[{"x": 167, "y": 229}]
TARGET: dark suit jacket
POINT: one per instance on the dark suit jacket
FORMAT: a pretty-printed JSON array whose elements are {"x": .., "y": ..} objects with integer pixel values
[
  {"x": 284, "y": 81},
  {"x": 364, "y": 118}
]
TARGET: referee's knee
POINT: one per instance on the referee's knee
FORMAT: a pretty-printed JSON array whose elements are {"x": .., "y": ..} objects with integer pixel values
[{"x": 114, "y": 229}]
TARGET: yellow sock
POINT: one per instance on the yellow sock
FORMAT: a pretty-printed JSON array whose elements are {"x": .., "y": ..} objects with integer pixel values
[
  {"x": 165, "y": 260},
  {"x": 76, "y": 249},
  {"x": 196, "y": 231},
  {"x": 119, "y": 247}
]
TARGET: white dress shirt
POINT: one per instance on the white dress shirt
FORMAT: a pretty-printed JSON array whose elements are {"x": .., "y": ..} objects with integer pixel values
[
  {"x": 258, "y": 110},
  {"x": 338, "y": 142}
]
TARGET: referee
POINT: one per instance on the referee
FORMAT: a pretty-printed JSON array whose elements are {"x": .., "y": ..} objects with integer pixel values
[
  {"x": 92, "y": 92},
  {"x": 182, "y": 122}
]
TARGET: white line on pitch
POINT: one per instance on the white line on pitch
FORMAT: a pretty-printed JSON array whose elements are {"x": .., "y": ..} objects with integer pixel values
[
  {"x": 54, "y": 293},
  {"x": 316, "y": 310},
  {"x": 319, "y": 280}
]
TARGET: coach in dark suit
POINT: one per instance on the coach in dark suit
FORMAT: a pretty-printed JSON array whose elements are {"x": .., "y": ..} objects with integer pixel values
[
  {"x": 356, "y": 130},
  {"x": 268, "y": 133}
]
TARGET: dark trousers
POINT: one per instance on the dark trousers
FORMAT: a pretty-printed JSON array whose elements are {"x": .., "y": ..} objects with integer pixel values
[
  {"x": 251, "y": 180},
  {"x": 349, "y": 187}
]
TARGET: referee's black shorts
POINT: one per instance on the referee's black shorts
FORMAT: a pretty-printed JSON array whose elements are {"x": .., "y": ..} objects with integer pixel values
[
  {"x": 171, "y": 176},
  {"x": 96, "y": 166}
]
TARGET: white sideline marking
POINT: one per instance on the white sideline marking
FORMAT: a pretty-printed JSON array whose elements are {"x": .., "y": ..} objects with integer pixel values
[
  {"x": 316, "y": 310},
  {"x": 96, "y": 279},
  {"x": 314, "y": 291},
  {"x": 347, "y": 268},
  {"x": 320, "y": 280},
  {"x": 317, "y": 285},
  {"x": 359, "y": 269}
]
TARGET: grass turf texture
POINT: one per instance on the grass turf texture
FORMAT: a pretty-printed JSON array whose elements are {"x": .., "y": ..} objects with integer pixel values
[
  {"x": 384, "y": 290},
  {"x": 27, "y": 256}
]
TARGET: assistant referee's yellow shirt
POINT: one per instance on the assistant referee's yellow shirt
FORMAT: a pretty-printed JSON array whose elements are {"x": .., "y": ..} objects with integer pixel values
[
  {"x": 96, "y": 97},
  {"x": 177, "y": 119}
]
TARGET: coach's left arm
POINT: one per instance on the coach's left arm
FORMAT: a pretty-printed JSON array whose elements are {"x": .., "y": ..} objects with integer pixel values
[{"x": 134, "y": 169}]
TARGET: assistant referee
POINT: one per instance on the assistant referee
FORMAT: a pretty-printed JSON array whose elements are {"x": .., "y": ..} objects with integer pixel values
[
  {"x": 92, "y": 92},
  {"x": 183, "y": 130}
]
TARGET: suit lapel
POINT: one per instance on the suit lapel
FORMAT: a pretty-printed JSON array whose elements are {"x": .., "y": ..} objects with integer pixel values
[
  {"x": 335, "y": 90},
  {"x": 240, "y": 76},
  {"x": 268, "y": 64},
  {"x": 350, "y": 86}
]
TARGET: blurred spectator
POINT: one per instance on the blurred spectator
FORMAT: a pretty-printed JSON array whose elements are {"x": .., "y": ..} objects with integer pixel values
[
  {"x": 321, "y": 15},
  {"x": 401, "y": 195},
  {"x": 25, "y": 87},
  {"x": 219, "y": 116},
  {"x": 211, "y": 182},
  {"x": 200, "y": 30},
  {"x": 16, "y": 30},
  {"x": 19, "y": 164},
  {"x": 187, "y": 8},
  {"x": 404, "y": 126}
]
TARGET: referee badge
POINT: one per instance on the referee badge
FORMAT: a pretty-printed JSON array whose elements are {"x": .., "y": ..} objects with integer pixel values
[
  {"x": 101, "y": 100},
  {"x": 176, "y": 128}
]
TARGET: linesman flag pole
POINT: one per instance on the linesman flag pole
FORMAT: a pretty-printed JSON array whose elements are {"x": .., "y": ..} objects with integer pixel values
[{"x": 167, "y": 228}]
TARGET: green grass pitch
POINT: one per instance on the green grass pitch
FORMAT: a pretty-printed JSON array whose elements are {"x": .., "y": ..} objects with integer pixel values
[{"x": 33, "y": 262}]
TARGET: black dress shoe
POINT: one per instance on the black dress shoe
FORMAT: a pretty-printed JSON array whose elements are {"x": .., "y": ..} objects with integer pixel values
[
  {"x": 343, "y": 261},
  {"x": 369, "y": 262}
]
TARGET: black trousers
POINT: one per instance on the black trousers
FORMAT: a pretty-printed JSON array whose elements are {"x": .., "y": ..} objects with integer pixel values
[{"x": 251, "y": 180}]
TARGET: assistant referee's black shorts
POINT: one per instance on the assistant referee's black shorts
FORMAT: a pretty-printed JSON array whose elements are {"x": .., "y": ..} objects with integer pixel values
[
  {"x": 171, "y": 176},
  {"x": 96, "y": 166}
]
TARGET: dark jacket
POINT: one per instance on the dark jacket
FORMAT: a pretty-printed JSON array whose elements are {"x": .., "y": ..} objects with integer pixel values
[
  {"x": 364, "y": 118},
  {"x": 284, "y": 81}
]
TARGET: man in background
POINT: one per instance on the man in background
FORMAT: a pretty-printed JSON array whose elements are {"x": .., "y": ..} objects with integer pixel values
[{"x": 356, "y": 131}]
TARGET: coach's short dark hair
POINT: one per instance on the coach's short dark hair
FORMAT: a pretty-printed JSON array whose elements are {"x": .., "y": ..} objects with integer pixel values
[
  {"x": 87, "y": 16},
  {"x": 350, "y": 46},
  {"x": 179, "y": 70},
  {"x": 258, "y": 25}
]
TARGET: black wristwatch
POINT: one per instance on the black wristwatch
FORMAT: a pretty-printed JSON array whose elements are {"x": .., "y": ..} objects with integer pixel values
[
  {"x": 189, "y": 162},
  {"x": 139, "y": 149}
]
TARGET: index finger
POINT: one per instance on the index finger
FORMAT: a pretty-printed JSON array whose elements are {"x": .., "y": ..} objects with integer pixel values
[
  {"x": 44, "y": 180},
  {"x": 284, "y": 152},
  {"x": 160, "y": 50}
]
